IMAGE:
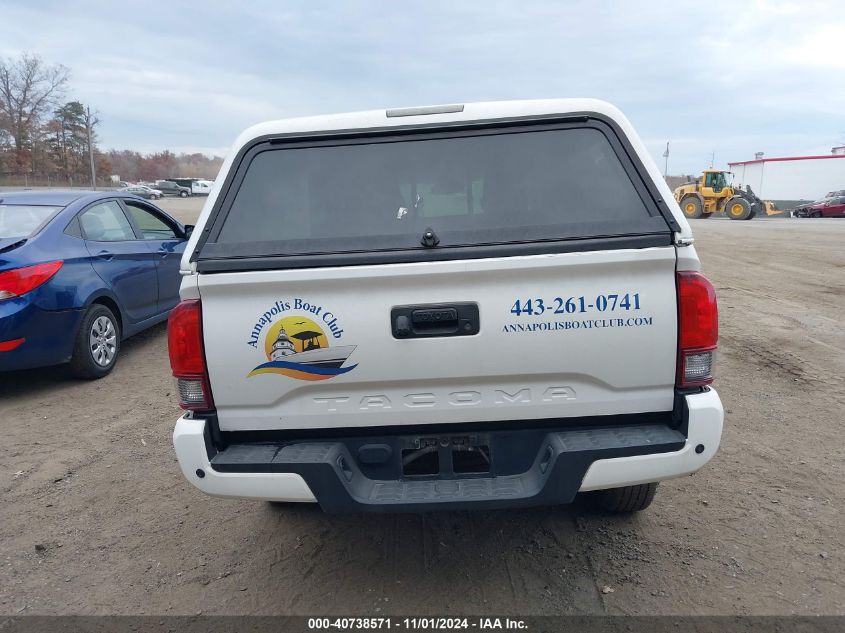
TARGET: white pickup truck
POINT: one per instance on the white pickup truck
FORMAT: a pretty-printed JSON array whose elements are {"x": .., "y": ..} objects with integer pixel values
[{"x": 467, "y": 306}]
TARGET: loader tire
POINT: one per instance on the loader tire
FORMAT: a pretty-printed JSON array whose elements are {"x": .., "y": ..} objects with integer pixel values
[
  {"x": 692, "y": 207},
  {"x": 627, "y": 499},
  {"x": 738, "y": 209}
]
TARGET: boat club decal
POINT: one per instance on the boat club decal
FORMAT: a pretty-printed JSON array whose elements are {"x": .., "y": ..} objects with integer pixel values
[{"x": 295, "y": 340}]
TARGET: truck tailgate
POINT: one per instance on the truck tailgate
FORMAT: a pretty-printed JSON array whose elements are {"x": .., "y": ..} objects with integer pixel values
[{"x": 555, "y": 336}]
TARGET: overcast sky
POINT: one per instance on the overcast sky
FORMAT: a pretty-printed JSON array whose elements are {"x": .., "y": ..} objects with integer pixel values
[{"x": 730, "y": 77}]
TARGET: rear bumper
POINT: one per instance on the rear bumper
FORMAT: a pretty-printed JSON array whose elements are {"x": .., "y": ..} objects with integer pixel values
[
  {"x": 48, "y": 334},
  {"x": 568, "y": 461}
]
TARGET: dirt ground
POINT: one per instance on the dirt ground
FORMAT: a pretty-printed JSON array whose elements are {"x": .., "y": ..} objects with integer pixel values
[{"x": 96, "y": 518}]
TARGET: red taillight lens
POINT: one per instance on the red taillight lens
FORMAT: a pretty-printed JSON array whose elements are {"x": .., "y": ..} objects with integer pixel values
[
  {"x": 184, "y": 339},
  {"x": 14, "y": 283},
  {"x": 698, "y": 329},
  {"x": 187, "y": 356},
  {"x": 8, "y": 346}
]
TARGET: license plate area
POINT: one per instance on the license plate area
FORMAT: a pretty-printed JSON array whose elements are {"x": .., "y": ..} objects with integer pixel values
[{"x": 446, "y": 456}]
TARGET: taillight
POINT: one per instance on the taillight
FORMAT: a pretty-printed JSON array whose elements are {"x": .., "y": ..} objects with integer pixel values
[
  {"x": 14, "y": 283},
  {"x": 187, "y": 356},
  {"x": 8, "y": 346},
  {"x": 698, "y": 329}
]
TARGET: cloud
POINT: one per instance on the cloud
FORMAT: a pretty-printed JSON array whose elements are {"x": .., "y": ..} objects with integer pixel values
[
  {"x": 721, "y": 76},
  {"x": 821, "y": 48}
]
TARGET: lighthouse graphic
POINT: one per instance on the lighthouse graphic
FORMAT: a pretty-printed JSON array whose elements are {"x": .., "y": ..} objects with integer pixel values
[
  {"x": 300, "y": 355},
  {"x": 282, "y": 346}
]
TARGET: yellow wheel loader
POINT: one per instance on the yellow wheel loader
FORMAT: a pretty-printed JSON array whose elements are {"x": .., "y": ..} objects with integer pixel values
[{"x": 713, "y": 193}]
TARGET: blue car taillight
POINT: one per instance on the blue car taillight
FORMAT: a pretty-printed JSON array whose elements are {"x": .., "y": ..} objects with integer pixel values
[{"x": 19, "y": 281}]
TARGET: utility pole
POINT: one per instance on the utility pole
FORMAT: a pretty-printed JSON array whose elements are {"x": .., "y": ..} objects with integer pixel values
[
  {"x": 64, "y": 151},
  {"x": 89, "y": 123},
  {"x": 666, "y": 161}
]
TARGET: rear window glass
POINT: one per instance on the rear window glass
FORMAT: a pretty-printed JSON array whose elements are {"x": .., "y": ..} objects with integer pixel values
[
  {"x": 21, "y": 220},
  {"x": 482, "y": 189}
]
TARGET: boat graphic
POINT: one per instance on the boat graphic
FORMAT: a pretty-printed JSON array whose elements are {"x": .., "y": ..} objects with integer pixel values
[
  {"x": 327, "y": 357},
  {"x": 312, "y": 363}
]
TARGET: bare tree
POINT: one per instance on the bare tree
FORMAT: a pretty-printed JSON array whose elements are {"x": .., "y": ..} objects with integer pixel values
[{"x": 28, "y": 89}]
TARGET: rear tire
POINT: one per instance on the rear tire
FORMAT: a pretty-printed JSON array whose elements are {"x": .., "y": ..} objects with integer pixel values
[
  {"x": 97, "y": 344},
  {"x": 692, "y": 207},
  {"x": 627, "y": 499},
  {"x": 738, "y": 209}
]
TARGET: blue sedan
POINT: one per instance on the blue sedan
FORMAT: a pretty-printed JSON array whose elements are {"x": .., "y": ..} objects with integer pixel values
[{"x": 80, "y": 272}]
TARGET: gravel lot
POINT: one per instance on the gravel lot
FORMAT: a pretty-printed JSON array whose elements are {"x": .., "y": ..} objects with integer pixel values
[{"x": 97, "y": 519}]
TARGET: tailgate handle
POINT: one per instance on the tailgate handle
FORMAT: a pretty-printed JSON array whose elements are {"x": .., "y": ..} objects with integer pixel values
[
  {"x": 435, "y": 320},
  {"x": 434, "y": 316}
]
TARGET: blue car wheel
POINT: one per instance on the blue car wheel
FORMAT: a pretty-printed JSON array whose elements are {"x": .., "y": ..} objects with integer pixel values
[{"x": 97, "y": 344}]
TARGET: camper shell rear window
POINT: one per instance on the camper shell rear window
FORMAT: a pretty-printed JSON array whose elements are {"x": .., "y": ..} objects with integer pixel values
[{"x": 416, "y": 195}]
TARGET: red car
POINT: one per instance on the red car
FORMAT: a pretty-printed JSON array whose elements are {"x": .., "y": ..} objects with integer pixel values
[{"x": 830, "y": 208}]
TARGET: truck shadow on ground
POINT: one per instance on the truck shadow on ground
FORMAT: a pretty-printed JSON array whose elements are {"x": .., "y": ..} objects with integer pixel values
[
  {"x": 541, "y": 559},
  {"x": 58, "y": 377}
]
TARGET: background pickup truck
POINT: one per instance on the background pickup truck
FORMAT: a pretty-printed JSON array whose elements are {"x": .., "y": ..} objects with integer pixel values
[
  {"x": 467, "y": 306},
  {"x": 170, "y": 188}
]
